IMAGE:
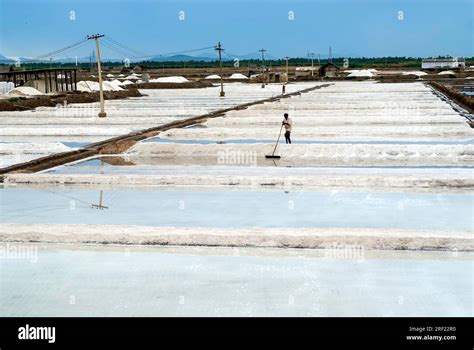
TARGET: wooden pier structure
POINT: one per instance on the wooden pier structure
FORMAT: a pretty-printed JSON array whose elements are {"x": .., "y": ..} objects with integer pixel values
[{"x": 45, "y": 80}]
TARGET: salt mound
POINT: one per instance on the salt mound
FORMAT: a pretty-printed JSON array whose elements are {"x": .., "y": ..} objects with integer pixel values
[
  {"x": 116, "y": 82},
  {"x": 127, "y": 82},
  {"x": 238, "y": 76},
  {"x": 108, "y": 86},
  {"x": 90, "y": 86},
  {"x": 361, "y": 73},
  {"x": 87, "y": 86},
  {"x": 417, "y": 72},
  {"x": 24, "y": 91},
  {"x": 213, "y": 76},
  {"x": 110, "y": 75},
  {"x": 177, "y": 79},
  {"x": 446, "y": 72},
  {"x": 131, "y": 77}
]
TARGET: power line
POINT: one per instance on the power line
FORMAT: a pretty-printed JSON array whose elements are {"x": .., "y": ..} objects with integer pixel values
[
  {"x": 118, "y": 50},
  {"x": 127, "y": 51},
  {"x": 127, "y": 48},
  {"x": 134, "y": 53},
  {"x": 57, "y": 52},
  {"x": 54, "y": 53}
]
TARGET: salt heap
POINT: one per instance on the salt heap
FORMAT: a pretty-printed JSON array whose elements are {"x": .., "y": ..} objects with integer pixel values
[
  {"x": 238, "y": 76},
  {"x": 24, "y": 91},
  {"x": 87, "y": 86},
  {"x": 213, "y": 76},
  {"x": 90, "y": 86},
  {"x": 116, "y": 82},
  {"x": 368, "y": 73},
  {"x": 127, "y": 82},
  {"x": 177, "y": 79},
  {"x": 446, "y": 72},
  {"x": 108, "y": 86},
  {"x": 417, "y": 72}
]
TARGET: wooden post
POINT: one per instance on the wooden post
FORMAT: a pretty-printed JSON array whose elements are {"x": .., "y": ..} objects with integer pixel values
[
  {"x": 75, "y": 80},
  {"x": 50, "y": 82}
]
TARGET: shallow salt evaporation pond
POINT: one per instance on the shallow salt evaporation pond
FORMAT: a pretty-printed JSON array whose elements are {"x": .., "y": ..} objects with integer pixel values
[
  {"x": 239, "y": 209},
  {"x": 165, "y": 281}
]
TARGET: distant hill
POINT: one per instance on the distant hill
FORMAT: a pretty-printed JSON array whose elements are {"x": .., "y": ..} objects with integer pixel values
[
  {"x": 181, "y": 58},
  {"x": 6, "y": 60}
]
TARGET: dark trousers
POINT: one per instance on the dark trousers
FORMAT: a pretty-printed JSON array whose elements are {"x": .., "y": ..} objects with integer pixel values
[{"x": 287, "y": 136}]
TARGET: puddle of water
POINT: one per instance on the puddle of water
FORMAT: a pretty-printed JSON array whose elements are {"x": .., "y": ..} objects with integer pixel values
[
  {"x": 91, "y": 163},
  {"x": 75, "y": 144},
  {"x": 239, "y": 209},
  {"x": 95, "y": 165}
]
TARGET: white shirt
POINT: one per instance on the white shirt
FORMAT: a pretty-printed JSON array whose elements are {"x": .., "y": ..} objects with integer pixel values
[{"x": 289, "y": 124}]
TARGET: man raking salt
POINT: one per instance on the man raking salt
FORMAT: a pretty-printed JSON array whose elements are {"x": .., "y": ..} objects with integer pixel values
[{"x": 287, "y": 123}]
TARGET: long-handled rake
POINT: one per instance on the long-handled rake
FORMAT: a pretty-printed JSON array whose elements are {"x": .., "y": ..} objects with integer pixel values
[{"x": 273, "y": 156}]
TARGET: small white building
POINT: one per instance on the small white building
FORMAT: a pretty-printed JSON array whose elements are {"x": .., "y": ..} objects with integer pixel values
[{"x": 434, "y": 63}]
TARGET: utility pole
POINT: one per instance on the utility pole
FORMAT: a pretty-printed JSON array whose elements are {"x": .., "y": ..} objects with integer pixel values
[
  {"x": 287, "y": 74},
  {"x": 220, "y": 49},
  {"x": 263, "y": 67},
  {"x": 96, "y": 37},
  {"x": 312, "y": 64}
]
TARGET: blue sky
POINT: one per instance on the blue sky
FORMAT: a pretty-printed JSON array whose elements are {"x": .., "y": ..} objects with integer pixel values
[{"x": 352, "y": 27}]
